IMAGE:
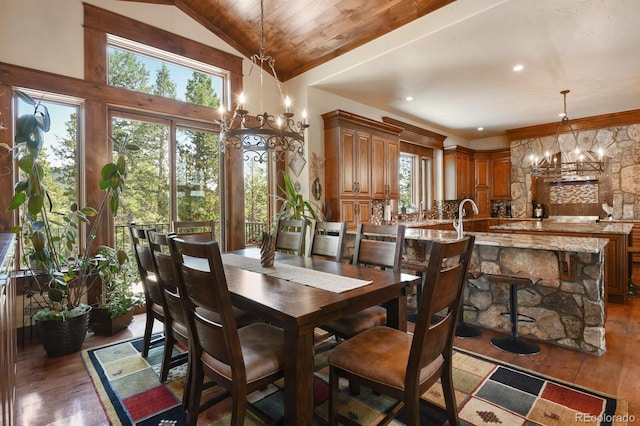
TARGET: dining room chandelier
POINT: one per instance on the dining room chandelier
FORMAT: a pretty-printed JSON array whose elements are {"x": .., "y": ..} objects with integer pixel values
[
  {"x": 573, "y": 164},
  {"x": 262, "y": 133}
]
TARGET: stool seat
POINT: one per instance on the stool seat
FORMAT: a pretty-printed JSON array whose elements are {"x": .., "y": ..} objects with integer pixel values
[{"x": 513, "y": 342}]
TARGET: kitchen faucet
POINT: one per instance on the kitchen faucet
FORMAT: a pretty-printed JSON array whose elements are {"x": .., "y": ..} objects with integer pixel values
[{"x": 457, "y": 225}]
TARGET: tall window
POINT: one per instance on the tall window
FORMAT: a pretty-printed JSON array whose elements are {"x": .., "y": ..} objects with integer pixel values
[
  {"x": 198, "y": 176},
  {"x": 59, "y": 155},
  {"x": 416, "y": 183},
  {"x": 176, "y": 174},
  {"x": 407, "y": 182},
  {"x": 176, "y": 77},
  {"x": 256, "y": 199},
  {"x": 61, "y": 147},
  {"x": 146, "y": 196}
]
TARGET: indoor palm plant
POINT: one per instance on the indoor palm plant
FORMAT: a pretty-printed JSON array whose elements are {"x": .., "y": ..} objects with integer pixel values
[
  {"x": 65, "y": 270},
  {"x": 294, "y": 206}
]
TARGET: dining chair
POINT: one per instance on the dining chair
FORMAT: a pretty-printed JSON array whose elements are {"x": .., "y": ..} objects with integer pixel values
[
  {"x": 328, "y": 240},
  {"x": 175, "y": 324},
  {"x": 404, "y": 366},
  {"x": 200, "y": 230},
  {"x": 290, "y": 236},
  {"x": 240, "y": 360},
  {"x": 153, "y": 296},
  {"x": 377, "y": 246}
]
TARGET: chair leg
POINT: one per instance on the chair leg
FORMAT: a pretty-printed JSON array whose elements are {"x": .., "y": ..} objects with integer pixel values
[
  {"x": 186, "y": 394},
  {"x": 239, "y": 409},
  {"x": 451, "y": 406},
  {"x": 195, "y": 392},
  {"x": 167, "y": 353},
  {"x": 333, "y": 397},
  {"x": 148, "y": 330}
]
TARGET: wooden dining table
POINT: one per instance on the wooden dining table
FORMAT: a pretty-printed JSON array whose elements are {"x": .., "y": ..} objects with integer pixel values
[{"x": 298, "y": 309}]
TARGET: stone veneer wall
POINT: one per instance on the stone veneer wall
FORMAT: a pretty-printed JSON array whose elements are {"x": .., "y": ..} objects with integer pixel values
[
  {"x": 566, "y": 313},
  {"x": 619, "y": 184},
  {"x": 570, "y": 314}
]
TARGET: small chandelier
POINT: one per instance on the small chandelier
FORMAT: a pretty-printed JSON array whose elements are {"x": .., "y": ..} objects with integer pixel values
[
  {"x": 576, "y": 165},
  {"x": 262, "y": 133}
]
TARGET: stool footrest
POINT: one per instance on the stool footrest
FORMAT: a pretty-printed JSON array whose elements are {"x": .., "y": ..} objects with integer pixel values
[{"x": 521, "y": 317}]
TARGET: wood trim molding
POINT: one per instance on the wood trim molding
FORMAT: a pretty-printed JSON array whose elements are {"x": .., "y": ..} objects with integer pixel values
[
  {"x": 13, "y": 75},
  {"x": 331, "y": 120},
  {"x": 623, "y": 118},
  {"x": 112, "y": 23},
  {"x": 417, "y": 135},
  {"x": 454, "y": 149}
]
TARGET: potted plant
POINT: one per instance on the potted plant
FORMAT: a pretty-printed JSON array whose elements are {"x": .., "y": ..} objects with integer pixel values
[
  {"x": 294, "y": 206},
  {"x": 114, "y": 311},
  {"x": 64, "y": 270}
]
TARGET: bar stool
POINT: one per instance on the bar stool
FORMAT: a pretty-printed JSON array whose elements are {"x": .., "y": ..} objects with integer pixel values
[
  {"x": 462, "y": 328},
  {"x": 634, "y": 289},
  {"x": 513, "y": 342}
]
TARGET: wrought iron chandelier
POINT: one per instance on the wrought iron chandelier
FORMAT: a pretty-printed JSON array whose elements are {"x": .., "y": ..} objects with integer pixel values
[
  {"x": 574, "y": 164},
  {"x": 263, "y": 133}
]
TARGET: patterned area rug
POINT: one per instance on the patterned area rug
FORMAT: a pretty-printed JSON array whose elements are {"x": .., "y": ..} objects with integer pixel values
[{"x": 488, "y": 393}]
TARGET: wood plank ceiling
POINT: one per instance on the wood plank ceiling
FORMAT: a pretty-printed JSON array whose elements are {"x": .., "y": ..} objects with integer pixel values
[{"x": 302, "y": 34}]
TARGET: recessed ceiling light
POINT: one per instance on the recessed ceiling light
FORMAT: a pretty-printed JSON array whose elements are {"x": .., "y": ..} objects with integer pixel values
[
  {"x": 480, "y": 129},
  {"x": 409, "y": 98},
  {"x": 518, "y": 67}
]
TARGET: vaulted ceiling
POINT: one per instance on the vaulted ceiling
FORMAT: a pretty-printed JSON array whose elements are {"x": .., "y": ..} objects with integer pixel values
[
  {"x": 302, "y": 34},
  {"x": 455, "y": 58}
]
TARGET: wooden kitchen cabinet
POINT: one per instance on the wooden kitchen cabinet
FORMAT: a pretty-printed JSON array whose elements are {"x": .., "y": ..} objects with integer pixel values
[
  {"x": 355, "y": 211},
  {"x": 8, "y": 337},
  {"x": 361, "y": 165},
  {"x": 355, "y": 163},
  {"x": 459, "y": 173},
  {"x": 501, "y": 175},
  {"x": 482, "y": 164},
  {"x": 385, "y": 168}
]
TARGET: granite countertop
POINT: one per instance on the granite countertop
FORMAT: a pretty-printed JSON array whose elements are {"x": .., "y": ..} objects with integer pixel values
[
  {"x": 431, "y": 222},
  {"x": 536, "y": 242},
  {"x": 604, "y": 227}
]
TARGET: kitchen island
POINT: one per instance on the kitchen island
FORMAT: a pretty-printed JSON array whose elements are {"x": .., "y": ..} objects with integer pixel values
[
  {"x": 616, "y": 256},
  {"x": 568, "y": 303}
]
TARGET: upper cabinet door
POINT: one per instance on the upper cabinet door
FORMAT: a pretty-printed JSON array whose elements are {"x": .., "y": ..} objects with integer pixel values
[
  {"x": 385, "y": 165},
  {"x": 501, "y": 170}
]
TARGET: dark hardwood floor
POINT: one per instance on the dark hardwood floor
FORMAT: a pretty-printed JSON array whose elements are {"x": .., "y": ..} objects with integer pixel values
[{"x": 58, "y": 391}]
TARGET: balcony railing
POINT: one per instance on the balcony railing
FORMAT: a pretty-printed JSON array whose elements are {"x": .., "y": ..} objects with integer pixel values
[{"x": 252, "y": 230}]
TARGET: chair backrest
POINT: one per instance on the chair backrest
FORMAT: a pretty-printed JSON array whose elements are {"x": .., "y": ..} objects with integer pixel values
[
  {"x": 166, "y": 275},
  {"x": 290, "y": 235},
  {"x": 379, "y": 245},
  {"x": 201, "y": 230},
  {"x": 144, "y": 260},
  {"x": 328, "y": 240},
  {"x": 440, "y": 303},
  {"x": 202, "y": 279}
]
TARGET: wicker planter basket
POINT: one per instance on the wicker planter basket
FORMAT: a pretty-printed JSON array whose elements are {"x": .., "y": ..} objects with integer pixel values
[{"x": 63, "y": 337}]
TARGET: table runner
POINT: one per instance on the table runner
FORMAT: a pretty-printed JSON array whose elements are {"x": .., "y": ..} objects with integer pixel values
[{"x": 296, "y": 274}]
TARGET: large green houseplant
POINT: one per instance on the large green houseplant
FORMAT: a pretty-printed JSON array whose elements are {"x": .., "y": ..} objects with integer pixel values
[
  {"x": 63, "y": 269},
  {"x": 114, "y": 310}
]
